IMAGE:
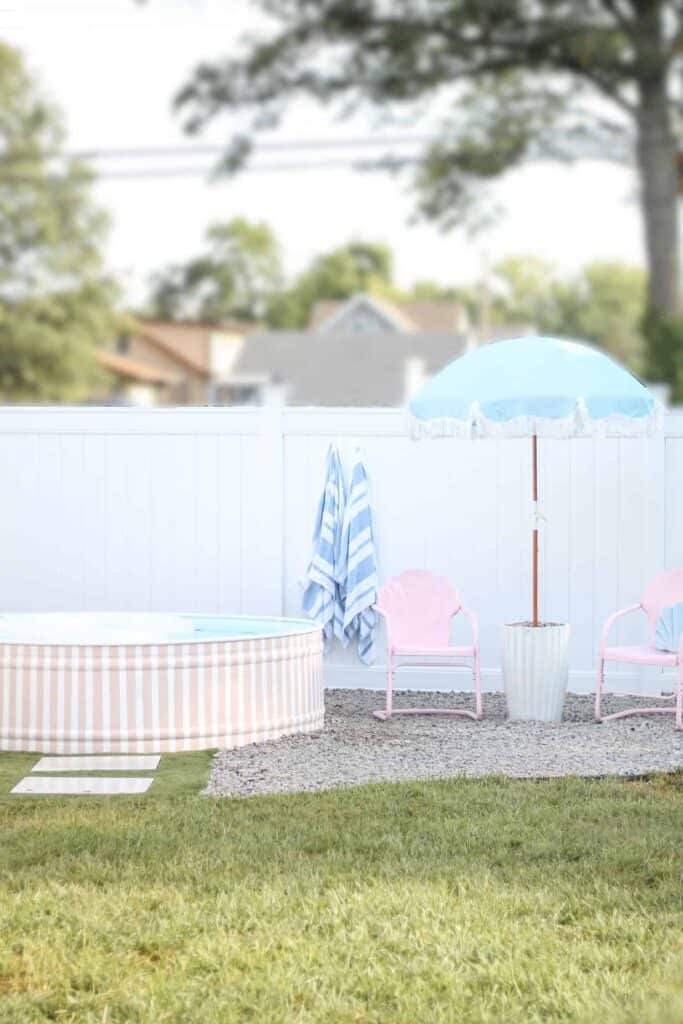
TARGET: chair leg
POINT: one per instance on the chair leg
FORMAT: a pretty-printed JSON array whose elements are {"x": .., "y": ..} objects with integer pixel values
[
  {"x": 477, "y": 685},
  {"x": 598, "y": 691},
  {"x": 679, "y": 697},
  {"x": 390, "y": 683}
]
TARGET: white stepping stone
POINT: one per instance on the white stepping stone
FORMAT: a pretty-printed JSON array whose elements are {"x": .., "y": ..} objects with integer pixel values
[
  {"x": 99, "y": 763},
  {"x": 81, "y": 785}
]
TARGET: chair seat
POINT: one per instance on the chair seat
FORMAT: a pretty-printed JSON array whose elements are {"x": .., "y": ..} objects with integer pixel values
[
  {"x": 640, "y": 655},
  {"x": 435, "y": 652}
]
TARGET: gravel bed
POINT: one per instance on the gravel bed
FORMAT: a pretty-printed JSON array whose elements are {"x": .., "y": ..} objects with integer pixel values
[{"x": 354, "y": 747}]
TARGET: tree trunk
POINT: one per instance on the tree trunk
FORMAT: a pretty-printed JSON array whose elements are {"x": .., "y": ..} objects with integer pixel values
[
  {"x": 659, "y": 182},
  {"x": 657, "y": 161}
]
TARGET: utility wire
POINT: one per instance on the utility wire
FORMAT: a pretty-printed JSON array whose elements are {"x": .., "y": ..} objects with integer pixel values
[
  {"x": 286, "y": 145},
  {"x": 12, "y": 171},
  {"x": 156, "y": 173}
]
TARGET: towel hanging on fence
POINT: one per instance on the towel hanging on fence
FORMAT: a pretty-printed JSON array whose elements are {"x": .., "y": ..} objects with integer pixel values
[
  {"x": 359, "y": 559},
  {"x": 322, "y": 599}
]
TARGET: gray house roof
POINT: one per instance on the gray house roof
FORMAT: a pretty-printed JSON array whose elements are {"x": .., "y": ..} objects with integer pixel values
[
  {"x": 344, "y": 369},
  {"x": 403, "y": 315}
]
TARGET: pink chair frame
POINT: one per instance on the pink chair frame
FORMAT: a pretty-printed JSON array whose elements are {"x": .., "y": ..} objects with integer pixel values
[
  {"x": 667, "y": 588},
  {"x": 417, "y": 608}
]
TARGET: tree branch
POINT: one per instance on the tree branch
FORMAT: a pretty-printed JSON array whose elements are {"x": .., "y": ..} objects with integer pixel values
[{"x": 627, "y": 24}]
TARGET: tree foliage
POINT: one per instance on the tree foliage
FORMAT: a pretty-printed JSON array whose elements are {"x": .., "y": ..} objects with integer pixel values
[
  {"x": 606, "y": 305},
  {"x": 338, "y": 274},
  {"x": 235, "y": 276},
  {"x": 665, "y": 352},
  {"x": 55, "y": 303},
  {"x": 517, "y": 78},
  {"x": 603, "y": 303},
  {"x": 240, "y": 275}
]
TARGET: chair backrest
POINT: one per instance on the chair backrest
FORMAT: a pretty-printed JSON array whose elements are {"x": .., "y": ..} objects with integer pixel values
[
  {"x": 420, "y": 606},
  {"x": 665, "y": 589}
]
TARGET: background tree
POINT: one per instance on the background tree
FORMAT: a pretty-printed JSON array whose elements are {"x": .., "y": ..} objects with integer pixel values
[
  {"x": 665, "y": 352},
  {"x": 524, "y": 291},
  {"x": 338, "y": 274},
  {"x": 550, "y": 78},
  {"x": 604, "y": 303},
  {"x": 236, "y": 276},
  {"x": 55, "y": 304}
]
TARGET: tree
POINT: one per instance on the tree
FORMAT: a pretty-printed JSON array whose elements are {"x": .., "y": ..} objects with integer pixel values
[
  {"x": 525, "y": 77},
  {"x": 55, "y": 303},
  {"x": 608, "y": 307},
  {"x": 236, "y": 276},
  {"x": 665, "y": 352},
  {"x": 525, "y": 292},
  {"x": 338, "y": 274},
  {"x": 603, "y": 303}
]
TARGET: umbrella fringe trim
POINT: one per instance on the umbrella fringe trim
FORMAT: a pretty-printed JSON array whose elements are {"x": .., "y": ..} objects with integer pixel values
[{"x": 577, "y": 424}]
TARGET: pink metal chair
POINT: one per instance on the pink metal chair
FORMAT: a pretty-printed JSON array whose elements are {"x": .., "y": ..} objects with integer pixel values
[
  {"x": 665, "y": 589},
  {"x": 417, "y": 607}
]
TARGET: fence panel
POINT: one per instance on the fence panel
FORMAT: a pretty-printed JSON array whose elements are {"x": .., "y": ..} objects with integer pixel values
[{"x": 212, "y": 510}]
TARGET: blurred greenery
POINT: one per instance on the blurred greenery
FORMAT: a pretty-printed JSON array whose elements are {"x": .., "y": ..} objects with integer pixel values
[
  {"x": 338, "y": 274},
  {"x": 242, "y": 276},
  {"x": 232, "y": 278},
  {"x": 503, "y": 81},
  {"x": 56, "y": 304},
  {"x": 665, "y": 352},
  {"x": 604, "y": 303}
]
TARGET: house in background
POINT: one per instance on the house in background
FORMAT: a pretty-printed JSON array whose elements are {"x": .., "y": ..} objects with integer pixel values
[
  {"x": 132, "y": 382},
  {"x": 338, "y": 369},
  {"x": 361, "y": 351},
  {"x": 159, "y": 362},
  {"x": 367, "y": 314}
]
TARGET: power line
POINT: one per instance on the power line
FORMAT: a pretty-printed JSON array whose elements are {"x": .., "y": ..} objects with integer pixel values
[
  {"x": 286, "y": 145},
  {"x": 387, "y": 162},
  {"x": 156, "y": 173},
  {"x": 307, "y": 165}
]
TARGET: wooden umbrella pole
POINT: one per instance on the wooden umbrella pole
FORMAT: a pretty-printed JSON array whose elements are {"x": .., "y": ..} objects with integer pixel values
[{"x": 534, "y": 571}]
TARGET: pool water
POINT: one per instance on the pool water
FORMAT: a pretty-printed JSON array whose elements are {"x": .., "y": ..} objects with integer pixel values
[{"x": 93, "y": 628}]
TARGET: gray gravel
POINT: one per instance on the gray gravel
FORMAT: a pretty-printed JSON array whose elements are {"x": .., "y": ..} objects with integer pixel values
[{"x": 355, "y": 748}]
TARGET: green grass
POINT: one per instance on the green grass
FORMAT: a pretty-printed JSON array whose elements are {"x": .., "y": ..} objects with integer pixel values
[
  {"x": 463, "y": 901},
  {"x": 177, "y": 774}
]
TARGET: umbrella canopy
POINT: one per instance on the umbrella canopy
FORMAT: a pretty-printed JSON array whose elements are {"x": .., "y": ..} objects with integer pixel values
[
  {"x": 548, "y": 387},
  {"x": 534, "y": 387}
]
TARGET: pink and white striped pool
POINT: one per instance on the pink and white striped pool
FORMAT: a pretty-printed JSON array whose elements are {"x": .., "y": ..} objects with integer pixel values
[{"x": 119, "y": 683}]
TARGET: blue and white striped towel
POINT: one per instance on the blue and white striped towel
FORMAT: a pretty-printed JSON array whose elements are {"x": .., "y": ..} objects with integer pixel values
[
  {"x": 358, "y": 556},
  {"x": 322, "y": 598}
]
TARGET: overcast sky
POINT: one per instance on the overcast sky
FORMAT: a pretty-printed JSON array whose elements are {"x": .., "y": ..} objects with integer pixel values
[{"x": 113, "y": 68}]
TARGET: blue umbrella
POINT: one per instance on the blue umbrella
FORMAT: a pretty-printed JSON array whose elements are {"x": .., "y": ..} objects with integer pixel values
[{"x": 534, "y": 387}]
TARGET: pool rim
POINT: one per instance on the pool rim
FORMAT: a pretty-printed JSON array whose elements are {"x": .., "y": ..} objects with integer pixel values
[{"x": 304, "y": 626}]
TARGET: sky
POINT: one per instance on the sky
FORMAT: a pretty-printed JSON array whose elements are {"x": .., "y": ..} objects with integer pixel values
[{"x": 113, "y": 67}]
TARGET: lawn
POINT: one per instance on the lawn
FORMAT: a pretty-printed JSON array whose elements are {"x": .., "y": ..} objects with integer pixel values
[{"x": 463, "y": 901}]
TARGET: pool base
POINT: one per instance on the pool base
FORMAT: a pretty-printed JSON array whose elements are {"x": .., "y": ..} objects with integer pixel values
[{"x": 160, "y": 698}]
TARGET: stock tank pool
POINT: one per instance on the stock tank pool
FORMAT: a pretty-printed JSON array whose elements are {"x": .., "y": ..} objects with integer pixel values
[{"x": 95, "y": 682}]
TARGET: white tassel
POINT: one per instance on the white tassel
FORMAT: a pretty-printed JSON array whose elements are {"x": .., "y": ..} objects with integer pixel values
[{"x": 578, "y": 423}]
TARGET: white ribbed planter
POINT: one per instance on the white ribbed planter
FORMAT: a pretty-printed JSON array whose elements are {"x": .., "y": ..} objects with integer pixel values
[{"x": 535, "y": 670}]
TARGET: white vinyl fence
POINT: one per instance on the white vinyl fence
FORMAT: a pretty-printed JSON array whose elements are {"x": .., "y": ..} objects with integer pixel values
[{"x": 212, "y": 510}]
